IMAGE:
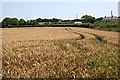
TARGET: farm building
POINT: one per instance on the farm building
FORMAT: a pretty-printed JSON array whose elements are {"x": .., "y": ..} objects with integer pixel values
[{"x": 110, "y": 18}]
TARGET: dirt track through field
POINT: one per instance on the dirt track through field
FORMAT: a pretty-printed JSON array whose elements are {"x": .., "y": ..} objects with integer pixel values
[
  {"x": 59, "y": 52},
  {"x": 70, "y": 30},
  {"x": 21, "y": 34},
  {"x": 111, "y": 37}
]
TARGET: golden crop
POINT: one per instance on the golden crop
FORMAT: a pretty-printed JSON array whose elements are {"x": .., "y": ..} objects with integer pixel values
[{"x": 59, "y": 52}]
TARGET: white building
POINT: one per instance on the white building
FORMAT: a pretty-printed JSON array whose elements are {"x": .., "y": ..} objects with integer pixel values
[{"x": 77, "y": 22}]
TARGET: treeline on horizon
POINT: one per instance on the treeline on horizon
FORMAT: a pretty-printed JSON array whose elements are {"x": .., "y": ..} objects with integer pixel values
[
  {"x": 88, "y": 21},
  {"x": 7, "y": 22}
]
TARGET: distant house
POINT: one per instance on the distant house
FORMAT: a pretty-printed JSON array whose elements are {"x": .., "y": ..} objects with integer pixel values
[
  {"x": 42, "y": 23},
  {"x": 77, "y": 22},
  {"x": 110, "y": 18}
]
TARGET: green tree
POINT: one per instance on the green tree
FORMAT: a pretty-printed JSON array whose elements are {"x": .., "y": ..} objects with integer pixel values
[
  {"x": 6, "y": 22},
  {"x": 54, "y": 20},
  {"x": 32, "y": 22},
  {"x": 99, "y": 18},
  {"x": 0, "y": 24},
  {"x": 39, "y": 20},
  {"x": 22, "y": 22},
  {"x": 14, "y": 21},
  {"x": 88, "y": 18}
]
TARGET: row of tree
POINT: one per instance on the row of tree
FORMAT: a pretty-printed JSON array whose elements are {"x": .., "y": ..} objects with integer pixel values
[
  {"x": 12, "y": 21},
  {"x": 7, "y": 22},
  {"x": 48, "y": 20}
]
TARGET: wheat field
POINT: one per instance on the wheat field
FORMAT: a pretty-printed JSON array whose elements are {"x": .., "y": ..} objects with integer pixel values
[{"x": 59, "y": 52}]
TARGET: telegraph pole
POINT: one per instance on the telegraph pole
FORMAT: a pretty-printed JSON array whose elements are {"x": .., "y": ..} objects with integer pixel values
[
  {"x": 76, "y": 16},
  {"x": 111, "y": 15}
]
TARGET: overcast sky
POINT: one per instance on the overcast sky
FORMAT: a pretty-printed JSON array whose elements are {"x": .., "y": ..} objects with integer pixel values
[{"x": 62, "y": 10}]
